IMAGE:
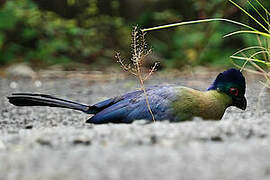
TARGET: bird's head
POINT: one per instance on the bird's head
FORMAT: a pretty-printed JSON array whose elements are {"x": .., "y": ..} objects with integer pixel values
[{"x": 233, "y": 83}]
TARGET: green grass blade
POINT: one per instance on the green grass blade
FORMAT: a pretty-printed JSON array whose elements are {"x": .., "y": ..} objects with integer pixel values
[
  {"x": 254, "y": 19},
  {"x": 250, "y": 32},
  {"x": 246, "y": 69},
  {"x": 196, "y": 22},
  {"x": 263, "y": 7},
  {"x": 259, "y": 13},
  {"x": 250, "y": 59},
  {"x": 249, "y": 48},
  {"x": 259, "y": 52},
  {"x": 258, "y": 67}
]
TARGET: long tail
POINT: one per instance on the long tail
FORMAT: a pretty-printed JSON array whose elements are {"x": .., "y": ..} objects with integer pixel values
[{"x": 30, "y": 99}]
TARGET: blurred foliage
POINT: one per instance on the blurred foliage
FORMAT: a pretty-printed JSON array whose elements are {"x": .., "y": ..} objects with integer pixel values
[
  {"x": 90, "y": 31},
  {"x": 28, "y": 33}
]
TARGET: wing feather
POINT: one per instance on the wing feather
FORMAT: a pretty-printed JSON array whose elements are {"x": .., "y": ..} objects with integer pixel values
[{"x": 133, "y": 106}]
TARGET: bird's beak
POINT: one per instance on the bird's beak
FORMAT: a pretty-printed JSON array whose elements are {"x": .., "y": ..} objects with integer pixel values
[{"x": 241, "y": 103}]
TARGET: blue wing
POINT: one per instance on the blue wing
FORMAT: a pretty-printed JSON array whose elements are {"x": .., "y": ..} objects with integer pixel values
[{"x": 132, "y": 106}]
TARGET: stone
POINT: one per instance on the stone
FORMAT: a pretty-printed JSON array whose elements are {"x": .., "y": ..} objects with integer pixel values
[{"x": 20, "y": 70}]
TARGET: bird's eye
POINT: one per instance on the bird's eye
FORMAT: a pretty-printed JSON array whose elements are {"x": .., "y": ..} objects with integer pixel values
[{"x": 234, "y": 91}]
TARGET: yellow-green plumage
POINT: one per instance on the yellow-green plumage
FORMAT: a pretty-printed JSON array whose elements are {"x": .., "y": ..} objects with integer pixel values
[{"x": 193, "y": 103}]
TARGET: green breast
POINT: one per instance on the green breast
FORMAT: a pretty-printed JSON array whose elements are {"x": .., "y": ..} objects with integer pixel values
[{"x": 192, "y": 103}]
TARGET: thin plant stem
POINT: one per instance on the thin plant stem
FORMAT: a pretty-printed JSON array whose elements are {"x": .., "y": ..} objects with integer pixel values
[
  {"x": 258, "y": 13},
  {"x": 250, "y": 32},
  {"x": 196, "y": 22},
  {"x": 267, "y": 13},
  {"x": 145, "y": 94},
  {"x": 260, "y": 43},
  {"x": 253, "y": 60},
  {"x": 139, "y": 53},
  {"x": 254, "y": 19},
  {"x": 249, "y": 48}
]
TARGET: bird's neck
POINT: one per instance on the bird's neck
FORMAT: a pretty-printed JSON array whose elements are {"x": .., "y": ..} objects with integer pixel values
[
  {"x": 213, "y": 104},
  {"x": 208, "y": 105}
]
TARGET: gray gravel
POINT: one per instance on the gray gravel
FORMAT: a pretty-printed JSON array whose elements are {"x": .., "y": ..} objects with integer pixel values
[{"x": 51, "y": 143}]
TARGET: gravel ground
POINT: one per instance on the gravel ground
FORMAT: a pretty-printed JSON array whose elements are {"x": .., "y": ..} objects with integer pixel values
[{"x": 51, "y": 143}]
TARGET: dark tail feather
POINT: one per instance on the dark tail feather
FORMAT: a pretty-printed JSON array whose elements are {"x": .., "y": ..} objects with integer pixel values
[{"x": 29, "y": 99}]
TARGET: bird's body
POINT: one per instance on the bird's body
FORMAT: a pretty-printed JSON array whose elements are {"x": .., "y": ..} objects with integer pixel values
[{"x": 168, "y": 102}]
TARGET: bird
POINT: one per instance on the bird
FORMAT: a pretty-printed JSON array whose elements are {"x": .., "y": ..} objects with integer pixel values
[{"x": 167, "y": 102}]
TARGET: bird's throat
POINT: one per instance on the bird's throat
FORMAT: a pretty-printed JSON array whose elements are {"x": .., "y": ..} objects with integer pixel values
[
  {"x": 213, "y": 104},
  {"x": 208, "y": 105}
]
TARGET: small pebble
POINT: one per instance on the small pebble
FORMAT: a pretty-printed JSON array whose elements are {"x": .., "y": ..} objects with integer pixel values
[{"x": 13, "y": 85}]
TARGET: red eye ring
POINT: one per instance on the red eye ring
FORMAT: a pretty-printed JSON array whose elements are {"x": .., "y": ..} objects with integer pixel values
[{"x": 234, "y": 91}]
